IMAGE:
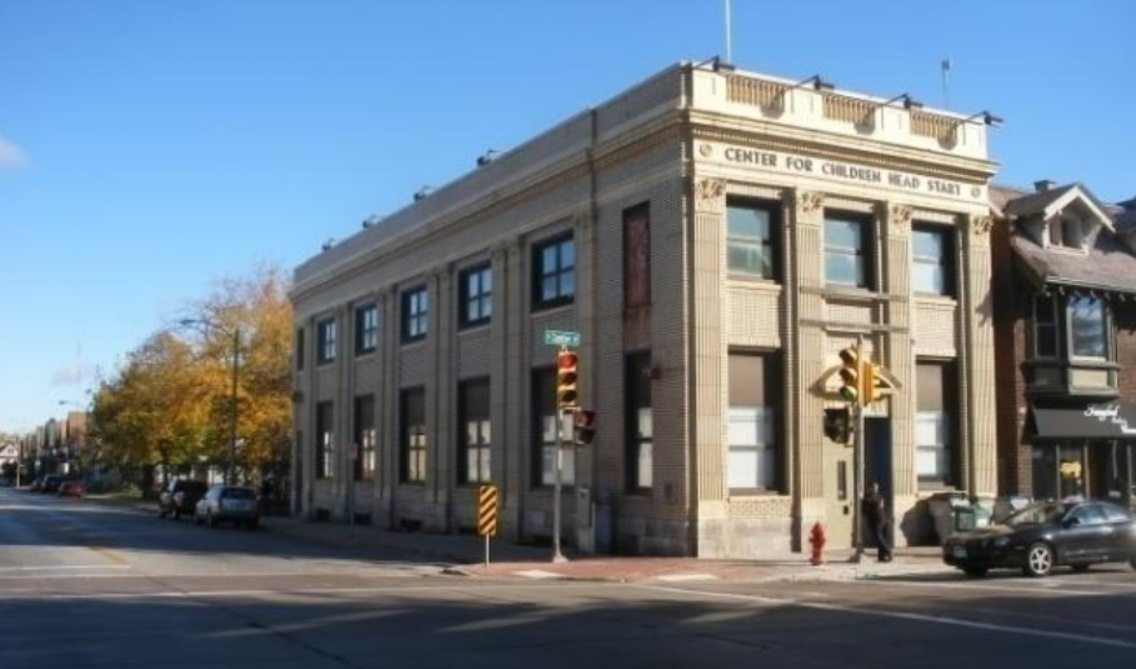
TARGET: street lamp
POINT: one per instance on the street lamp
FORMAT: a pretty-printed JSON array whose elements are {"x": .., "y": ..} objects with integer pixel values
[{"x": 230, "y": 470}]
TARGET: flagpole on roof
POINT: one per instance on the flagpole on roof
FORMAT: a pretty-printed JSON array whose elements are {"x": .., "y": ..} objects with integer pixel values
[{"x": 729, "y": 40}]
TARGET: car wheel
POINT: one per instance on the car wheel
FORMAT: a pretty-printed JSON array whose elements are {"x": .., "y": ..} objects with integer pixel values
[
  {"x": 1039, "y": 560},
  {"x": 1080, "y": 568},
  {"x": 1132, "y": 562},
  {"x": 975, "y": 572}
]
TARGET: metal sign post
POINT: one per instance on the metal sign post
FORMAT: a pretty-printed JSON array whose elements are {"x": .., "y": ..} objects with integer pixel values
[{"x": 557, "y": 556}]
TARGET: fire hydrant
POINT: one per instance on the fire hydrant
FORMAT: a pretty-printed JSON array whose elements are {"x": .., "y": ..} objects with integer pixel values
[{"x": 817, "y": 541}]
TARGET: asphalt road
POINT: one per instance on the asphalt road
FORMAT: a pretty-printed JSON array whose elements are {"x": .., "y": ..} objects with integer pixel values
[{"x": 89, "y": 586}]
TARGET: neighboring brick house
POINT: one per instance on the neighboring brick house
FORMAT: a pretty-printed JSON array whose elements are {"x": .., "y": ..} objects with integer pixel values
[
  {"x": 1065, "y": 323},
  {"x": 716, "y": 238}
]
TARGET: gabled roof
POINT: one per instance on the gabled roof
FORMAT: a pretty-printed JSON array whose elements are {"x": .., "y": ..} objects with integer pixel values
[
  {"x": 1109, "y": 266},
  {"x": 1049, "y": 203}
]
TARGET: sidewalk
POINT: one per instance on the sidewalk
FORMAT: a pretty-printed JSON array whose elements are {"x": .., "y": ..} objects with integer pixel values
[{"x": 463, "y": 555}]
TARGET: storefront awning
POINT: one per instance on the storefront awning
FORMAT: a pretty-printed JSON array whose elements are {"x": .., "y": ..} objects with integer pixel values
[{"x": 1107, "y": 420}]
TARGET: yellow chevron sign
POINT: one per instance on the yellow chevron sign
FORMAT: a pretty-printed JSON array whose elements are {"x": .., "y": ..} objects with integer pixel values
[{"x": 487, "y": 511}]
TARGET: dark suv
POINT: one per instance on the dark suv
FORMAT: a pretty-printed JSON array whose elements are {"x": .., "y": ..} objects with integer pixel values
[{"x": 180, "y": 496}]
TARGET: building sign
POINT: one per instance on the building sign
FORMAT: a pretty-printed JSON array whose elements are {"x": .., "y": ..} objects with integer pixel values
[
  {"x": 1111, "y": 414},
  {"x": 844, "y": 171}
]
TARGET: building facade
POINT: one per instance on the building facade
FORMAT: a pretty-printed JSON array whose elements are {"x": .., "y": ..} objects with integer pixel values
[
  {"x": 1065, "y": 283},
  {"x": 716, "y": 238}
]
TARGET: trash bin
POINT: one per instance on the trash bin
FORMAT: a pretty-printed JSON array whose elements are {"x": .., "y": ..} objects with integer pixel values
[{"x": 945, "y": 511}]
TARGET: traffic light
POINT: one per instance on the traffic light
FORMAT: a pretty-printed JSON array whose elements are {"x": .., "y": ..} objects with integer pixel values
[
  {"x": 868, "y": 383},
  {"x": 838, "y": 425},
  {"x": 566, "y": 377},
  {"x": 850, "y": 375},
  {"x": 585, "y": 422}
]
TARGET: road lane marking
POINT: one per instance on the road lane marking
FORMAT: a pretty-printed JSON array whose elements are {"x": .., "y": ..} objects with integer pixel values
[
  {"x": 1055, "y": 590},
  {"x": 902, "y": 615},
  {"x": 62, "y": 567}
]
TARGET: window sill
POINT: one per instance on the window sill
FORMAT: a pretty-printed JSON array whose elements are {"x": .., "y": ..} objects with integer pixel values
[
  {"x": 365, "y": 354},
  {"x": 936, "y": 299},
  {"x": 474, "y": 327},
  {"x": 753, "y": 283},
  {"x": 410, "y": 343},
  {"x": 325, "y": 363},
  {"x": 549, "y": 308}
]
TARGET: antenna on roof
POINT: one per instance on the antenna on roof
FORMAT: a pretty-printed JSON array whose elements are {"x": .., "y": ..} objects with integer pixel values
[{"x": 945, "y": 66}]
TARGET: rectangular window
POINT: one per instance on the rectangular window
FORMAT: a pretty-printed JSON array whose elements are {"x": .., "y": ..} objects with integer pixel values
[
  {"x": 364, "y": 438},
  {"x": 755, "y": 458},
  {"x": 931, "y": 260},
  {"x": 554, "y": 272},
  {"x": 544, "y": 415},
  {"x": 1045, "y": 327},
  {"x": 639, "y": 463},
  {"x": 935, "y": 433},
  {"x": 1087, "y": 329},
  {"x": 412, "y": 435},
  {"x": 325, "y": 440},
  {"x": 637, "y": 256},
  {"x": 325, "y": 332},
  {"x": 474, "y": 433},
  {"x": 751, "y": 230},
  {"x": 847, "y": 250},
  {"x": 366, "y": 329},
  {"x": 476, "y": 300},
  {"x": 415, "y": 309},
  {"x": 299, "y": 348}
]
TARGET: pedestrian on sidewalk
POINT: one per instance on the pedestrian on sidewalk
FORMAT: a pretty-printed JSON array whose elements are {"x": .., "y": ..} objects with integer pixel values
[{"x": 875, "y": 513}]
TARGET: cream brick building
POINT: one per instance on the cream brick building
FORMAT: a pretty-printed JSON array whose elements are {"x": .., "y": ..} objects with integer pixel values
[{"x": 716, "y": 237}]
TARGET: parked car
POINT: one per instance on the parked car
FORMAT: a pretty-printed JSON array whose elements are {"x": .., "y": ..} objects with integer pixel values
[
  {"x": 74, "y": 489},
  {"x": 180, "y": 496},
  {"x": 225, "y": 503},
  {"x": 51, "y": 484},
  {"x": 1045, "y": 535}
]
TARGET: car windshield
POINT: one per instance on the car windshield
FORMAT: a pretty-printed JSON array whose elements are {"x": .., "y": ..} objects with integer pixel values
[{"x": 1038, "y": 513}]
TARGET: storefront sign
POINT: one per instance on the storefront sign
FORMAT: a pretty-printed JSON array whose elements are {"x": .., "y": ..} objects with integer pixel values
[
  {"x": 1110, "y": 413},
  {"x": 849, "y": 172}
]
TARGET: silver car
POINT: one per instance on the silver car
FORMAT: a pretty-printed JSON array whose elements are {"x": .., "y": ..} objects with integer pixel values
[{"x": 226, "y": 503}]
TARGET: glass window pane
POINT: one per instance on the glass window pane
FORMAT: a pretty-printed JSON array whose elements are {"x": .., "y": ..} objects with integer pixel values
[
  {"x": 568, "y": 284},
  {"x": 567, "y": 254},
  {"x": 928, "y": 278},
  {"x": 548, "y": 288},
  {"x": 843, "y": 268},
  {"x": 486, "y": 281},
  {"x": 928, "y": 245},
  {"x": 568, "y": 466},
  {"x": 743, "y": 467},
  {"x": 840, "y": 234},
  {"x": 548, "y": 262},
  {"x": 742, "y": 429},
  {"x": 549, "y": 433},
  {"x": 645, "y": 423},
  {"x": 748, "y": 222},
  {"x": 646, "y": 458},
  {"x": 1087, "y": 326}
]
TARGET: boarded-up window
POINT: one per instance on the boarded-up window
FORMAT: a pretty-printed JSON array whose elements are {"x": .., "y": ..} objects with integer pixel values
[
  {"x": 637, "y": 256},
  {"x": 935, "y": 425},
  {"x": 755, "y": 448}
]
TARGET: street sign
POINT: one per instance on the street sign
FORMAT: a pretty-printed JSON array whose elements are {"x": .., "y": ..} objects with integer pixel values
[
  {"x": 562, "y": 338},
  {"x": 487, "y": 511}
]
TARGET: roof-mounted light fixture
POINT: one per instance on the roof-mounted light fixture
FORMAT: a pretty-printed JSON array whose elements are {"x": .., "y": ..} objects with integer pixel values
[
  {"x": 370, "y": 222},
  {"x": 487, "y": 157},
  {"x": 328, "y": 244},
  {"x": 908, "y": 102},
  {"x": 716, "y": 64},
  {"x": 985, "y": 116},
  {"x": 818, "y": 84},
  {"x": 422, "y": 193}
]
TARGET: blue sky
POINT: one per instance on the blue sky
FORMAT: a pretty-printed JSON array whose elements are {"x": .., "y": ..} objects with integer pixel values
[{"x": 149, "y": 148}]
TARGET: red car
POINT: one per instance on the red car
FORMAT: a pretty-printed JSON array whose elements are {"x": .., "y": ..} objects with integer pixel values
[{"x": 74, "y": 489}]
